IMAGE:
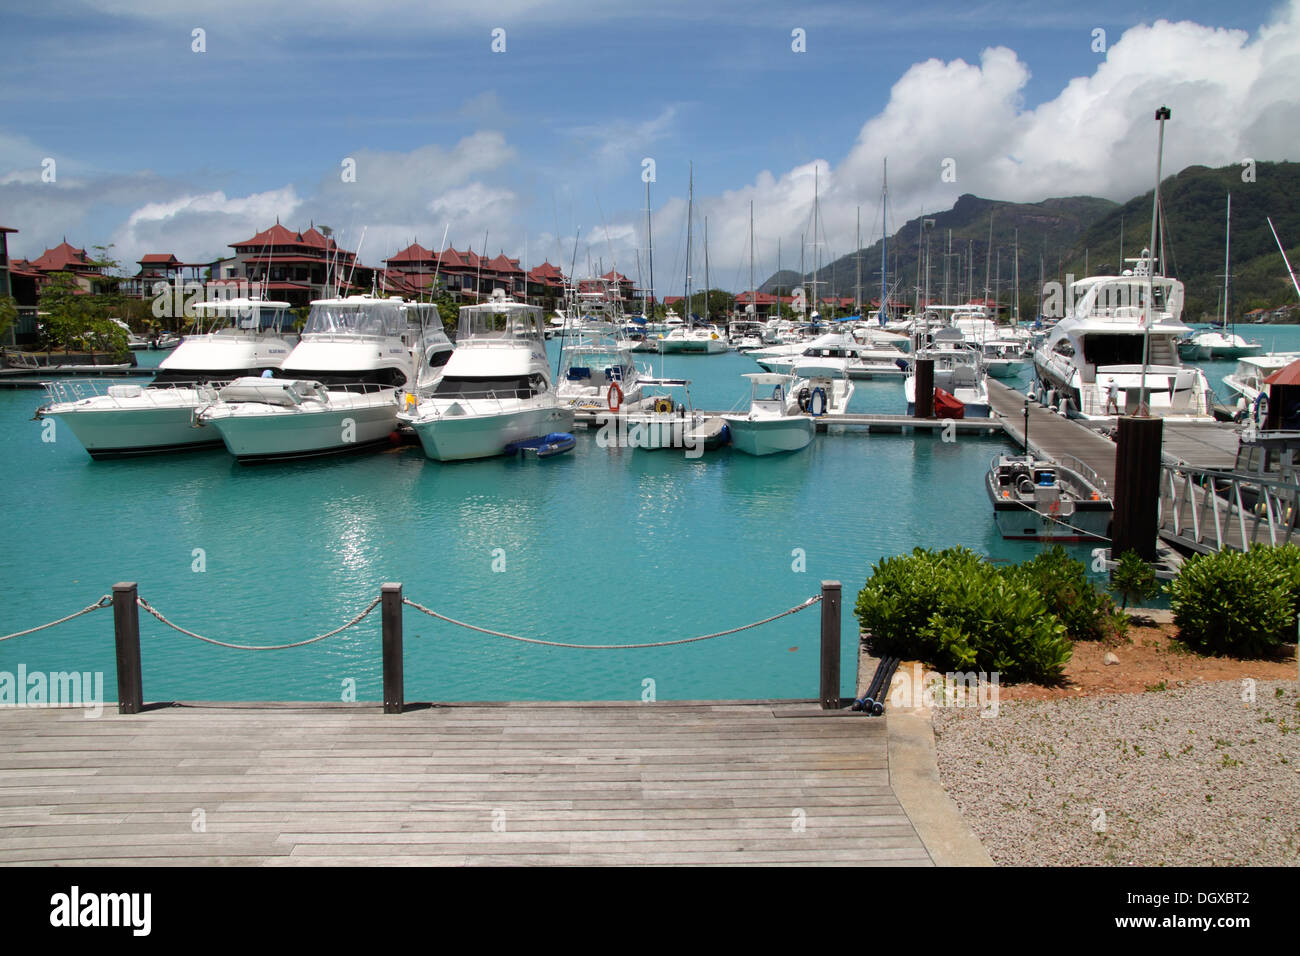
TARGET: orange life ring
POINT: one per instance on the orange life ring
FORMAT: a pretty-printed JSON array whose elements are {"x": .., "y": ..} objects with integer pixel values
[{"x": 615, "y": 403}]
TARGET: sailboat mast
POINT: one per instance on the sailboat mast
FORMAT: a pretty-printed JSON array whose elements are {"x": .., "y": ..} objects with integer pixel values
[
  {"x": 857, "y": 257},
  {"x": 1016, "y": 279},
  {"x": 884, "y": 245},
  {"x": 706, "y": 270},
  {"x": 816, "y": 247},
  {"x": 1227, "y": 238},
  {"x": 650, "y": 254},
  {"x": 690, "y": 208},
  {"x": 753, "y": 293}
]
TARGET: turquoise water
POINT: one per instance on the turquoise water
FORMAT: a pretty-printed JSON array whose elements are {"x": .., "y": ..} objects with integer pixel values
[{"x": 600, "y": 546}]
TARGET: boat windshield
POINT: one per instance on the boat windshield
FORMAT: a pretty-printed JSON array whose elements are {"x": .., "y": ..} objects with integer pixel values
[
  {"x": 380, "y": 317},
  {"x": 500, "y": 320},
  {"x": 230, "y": 318}
]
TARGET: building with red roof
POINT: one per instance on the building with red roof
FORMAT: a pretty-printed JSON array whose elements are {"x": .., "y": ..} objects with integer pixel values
[
  {"x": 295, "y": 266},
  {"x": 20, "y": 279}
]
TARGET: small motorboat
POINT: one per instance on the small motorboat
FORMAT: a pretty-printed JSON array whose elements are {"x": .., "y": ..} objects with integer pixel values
[
  {"x": 548, "y": 446},
  {"x": 1044, "y": 499}
]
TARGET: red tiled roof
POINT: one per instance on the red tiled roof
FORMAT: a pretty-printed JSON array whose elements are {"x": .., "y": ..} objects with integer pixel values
[
  {"x": 159, "y": 258},
  {"x": 504, "y": 264},
  {"x": 61, "y": 257},
  {"x": 616, "y": 276}
]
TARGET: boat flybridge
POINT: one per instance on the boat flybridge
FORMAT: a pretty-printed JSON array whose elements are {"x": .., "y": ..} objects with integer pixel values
[
  {"x": 231, "y": 338},
  {"x": 1090, "y": 365},
  {"x": 496, "y": 389},
  {"x": 774, "y": 423},
  {"x": 341, "y": 387}
]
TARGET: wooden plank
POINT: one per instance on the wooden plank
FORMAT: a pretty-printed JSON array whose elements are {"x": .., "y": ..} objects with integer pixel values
[{"x": 699, "y": 783}]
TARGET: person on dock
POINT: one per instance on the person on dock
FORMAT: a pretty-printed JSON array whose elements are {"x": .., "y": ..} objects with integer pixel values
[{"x": 1112, "y": 396}]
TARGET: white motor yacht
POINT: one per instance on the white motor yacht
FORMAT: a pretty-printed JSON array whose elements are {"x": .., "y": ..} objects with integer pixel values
[
  {"x": 341, "y": 387},
  {"x": 1247, "y": 379},
  {"x": 1090, "y": 365},
  {"x": 231, "y": 338},
  {"x": 774, "y": 423},
  {"x": 496, "y": 389}
]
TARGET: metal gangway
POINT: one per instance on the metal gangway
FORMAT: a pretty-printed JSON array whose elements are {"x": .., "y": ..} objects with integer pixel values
[{"x": 1207, "y": 510}]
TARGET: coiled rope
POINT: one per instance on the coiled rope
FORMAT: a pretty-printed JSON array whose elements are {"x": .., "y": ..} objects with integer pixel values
[
  {"x": 258, "y": 647},
  {"x": 105, "y": 601},
  {"x": 613, "y": 647}
]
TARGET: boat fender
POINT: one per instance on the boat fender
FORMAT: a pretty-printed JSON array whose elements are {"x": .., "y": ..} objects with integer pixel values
[
  {"x": 817, "y": 404},
  {"x": 615, "y": 397},
  {"x": 1051, "y": 397},
  {"x": 1261, "y": 407}
]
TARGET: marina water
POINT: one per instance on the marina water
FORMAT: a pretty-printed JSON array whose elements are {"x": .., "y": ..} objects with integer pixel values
[{"x": 599, "y": 546}]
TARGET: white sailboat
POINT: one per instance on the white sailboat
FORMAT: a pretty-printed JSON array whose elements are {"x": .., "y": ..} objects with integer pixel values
[{"x": 1219, "y": 343}]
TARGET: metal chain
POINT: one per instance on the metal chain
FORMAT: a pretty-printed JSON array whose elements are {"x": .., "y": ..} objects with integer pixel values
[
  {"x": 105, "y": 601},
  {"x": 254, "y": 647},
  {"x": 613, "y": 647}
]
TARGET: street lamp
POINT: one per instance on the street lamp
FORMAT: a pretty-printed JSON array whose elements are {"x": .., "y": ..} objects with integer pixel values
[{"x": 1144, "y": 410}]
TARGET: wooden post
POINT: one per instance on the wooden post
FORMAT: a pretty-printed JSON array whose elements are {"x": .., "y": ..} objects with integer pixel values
[
  {"x": 394, "y": 688},
  {"x": 923, "y": 406},
  {"x": 830, "y": 685},
  {"x": 1137, "y": 487},
  {"x": 126, "y": 634}
]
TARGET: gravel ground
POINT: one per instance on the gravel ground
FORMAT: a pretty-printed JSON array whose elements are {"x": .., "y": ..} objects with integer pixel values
[{"x": 1189, "y": 777}]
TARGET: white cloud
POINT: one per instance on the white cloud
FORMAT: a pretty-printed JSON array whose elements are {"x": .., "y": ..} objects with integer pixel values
[{"x": 198, "y": 227}]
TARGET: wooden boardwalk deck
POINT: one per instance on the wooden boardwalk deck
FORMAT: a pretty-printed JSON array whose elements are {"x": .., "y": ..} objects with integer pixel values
[
  {"x": 1051, "y": 435},
  {"x": 664, "y": 783}
]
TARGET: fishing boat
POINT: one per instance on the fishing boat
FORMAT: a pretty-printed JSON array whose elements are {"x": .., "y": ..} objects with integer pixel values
[
  {"x": 663, "y": 422},
  {"x": 1247, "y": 380},
  {"x": 822, "y": 386},
  {"x": 597, "y": 373},
  {"x": 774, "y": 423},
  {"x": 496, "y": 389},
  {"x": 341, "y": 387},
  {"x": 1041, "y": 499},
  {"x": 233, "y": 338},
  {"x": 959, "y": 372}
]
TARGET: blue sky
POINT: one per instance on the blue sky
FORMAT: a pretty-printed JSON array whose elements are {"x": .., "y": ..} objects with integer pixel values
[{"x": 159, "y": 148}]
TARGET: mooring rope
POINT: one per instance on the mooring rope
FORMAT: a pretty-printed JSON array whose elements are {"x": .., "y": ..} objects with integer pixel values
[
  {"x": 613, "y": 647},
  {"x": 257, "y": 647},
  {"x": 1062, "y": 523},
  {"x": 105, "y": 601}
]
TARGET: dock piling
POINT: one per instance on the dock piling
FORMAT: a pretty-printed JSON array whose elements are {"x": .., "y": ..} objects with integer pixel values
[
  {"x": 394, "y": 688},
  {"x": 126, "y": 634},
  {"x": 830, "y": 682},
  {"x": 923, "y": 405},
  {"x": 1135, "y": 527}
]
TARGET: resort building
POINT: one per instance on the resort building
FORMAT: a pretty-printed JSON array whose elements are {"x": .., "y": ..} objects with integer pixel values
[{"x": 295, "y": 266}]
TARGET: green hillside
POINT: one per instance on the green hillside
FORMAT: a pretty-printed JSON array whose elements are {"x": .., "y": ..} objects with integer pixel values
[{"x": 1195, "y": 202}]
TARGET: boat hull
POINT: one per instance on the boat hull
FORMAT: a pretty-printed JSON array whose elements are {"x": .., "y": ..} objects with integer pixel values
[
  {"x": 1089, "y": 522},
  {"x": 770, "y": 436},
  {"x": 108, "y": 429},
  {"x": 254, "y": 432},
  {"x": 465, "y": 437}
]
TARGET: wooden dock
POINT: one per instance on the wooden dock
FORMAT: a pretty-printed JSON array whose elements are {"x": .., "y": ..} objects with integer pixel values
[{"x": 773, "y": 783}]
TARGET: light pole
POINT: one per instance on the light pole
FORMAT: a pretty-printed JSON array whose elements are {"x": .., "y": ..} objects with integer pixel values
[{"x": 1144, "y": 410}]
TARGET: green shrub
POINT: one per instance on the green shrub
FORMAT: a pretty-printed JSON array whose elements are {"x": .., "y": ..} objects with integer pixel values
[
  {"x": 1230, "y": 603},
  {"x": 955, "y": 611},
  {"x": 1063, "y": 583},
  {"x": 1132, "y": 579},
  {"x": 1284, "y": 563}
]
